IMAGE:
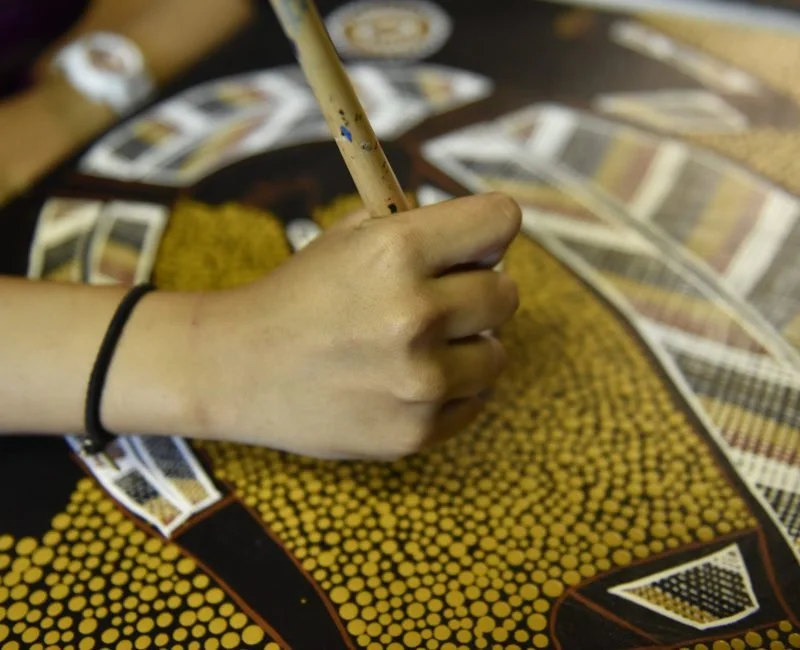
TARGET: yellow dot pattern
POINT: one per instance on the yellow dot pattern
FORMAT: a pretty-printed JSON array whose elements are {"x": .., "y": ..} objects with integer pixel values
[
  {"x": 215, "y": 247},
  {"x": 582, "y": 463},
  {"x": 782, "y": 637},
  {"x": 94, "y": 580}
]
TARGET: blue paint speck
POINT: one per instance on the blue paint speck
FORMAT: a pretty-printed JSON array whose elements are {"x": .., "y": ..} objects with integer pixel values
[{"x": 346, "y": 133}]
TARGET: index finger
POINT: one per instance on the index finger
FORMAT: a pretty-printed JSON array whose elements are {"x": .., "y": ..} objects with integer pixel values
[{"x": 471, "y": 230}]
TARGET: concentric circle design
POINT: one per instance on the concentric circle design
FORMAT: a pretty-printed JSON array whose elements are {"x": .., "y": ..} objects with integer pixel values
[{"x": 375, "y": 29}]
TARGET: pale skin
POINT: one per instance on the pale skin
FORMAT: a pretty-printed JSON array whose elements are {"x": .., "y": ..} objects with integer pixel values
[{"x": 368, "y": 344}]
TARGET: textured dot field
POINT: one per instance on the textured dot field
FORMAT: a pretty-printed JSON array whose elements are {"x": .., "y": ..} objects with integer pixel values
[
  {"x": 96, "y": 581},
  {"x": 582, "y": 463},
  {"x": 783, "y": 637}
]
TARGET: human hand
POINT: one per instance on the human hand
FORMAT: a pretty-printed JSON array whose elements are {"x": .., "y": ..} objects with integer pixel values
[{"x": 368, "y": 343}]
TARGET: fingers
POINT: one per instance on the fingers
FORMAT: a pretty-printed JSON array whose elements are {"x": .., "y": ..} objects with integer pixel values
[
  {"x": 452, "y": 419},
  {"x": 471, "y": 367},
  {"x": 471, "y": 230},
  {"x": 467, "y": 370},
  {"x": 475, "y": 301}
]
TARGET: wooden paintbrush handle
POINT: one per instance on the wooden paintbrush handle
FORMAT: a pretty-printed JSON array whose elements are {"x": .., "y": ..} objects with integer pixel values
[{"x": 344, "y": 114}]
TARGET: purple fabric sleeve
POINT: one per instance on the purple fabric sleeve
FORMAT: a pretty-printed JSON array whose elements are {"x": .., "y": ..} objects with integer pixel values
[{"x": 27, "y": 28}]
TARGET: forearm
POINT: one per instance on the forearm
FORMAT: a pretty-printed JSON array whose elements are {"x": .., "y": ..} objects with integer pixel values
[
  {"x": 172, "y": 34},
  {"x": 50, "y": 334},
  {"x": 104, "y": 15},
  {"x": 43, "y": 125},
  {"x": 175, "y": 34}
]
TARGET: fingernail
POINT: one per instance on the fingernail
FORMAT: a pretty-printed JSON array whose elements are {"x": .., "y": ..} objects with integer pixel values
[{"x": 492, "y": 260}]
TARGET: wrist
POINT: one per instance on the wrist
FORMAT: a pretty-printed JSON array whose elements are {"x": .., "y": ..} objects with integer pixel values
[
  {"x": 78, "y": 118},
  {"x": 232, "y": 375},
  {"x": 155, "y": 383}
]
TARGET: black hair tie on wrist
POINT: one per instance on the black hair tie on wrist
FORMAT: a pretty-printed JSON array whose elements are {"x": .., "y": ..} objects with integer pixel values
[{"x": 97, "y": 437}]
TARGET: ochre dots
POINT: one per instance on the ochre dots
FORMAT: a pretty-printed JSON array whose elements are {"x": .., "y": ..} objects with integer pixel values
[
  {"x": 537, "y": 622},
  {"x": 42, "y": 556},
  {"x": 145, "y": 625},
  {"x": 25, "y": 546},
  {"x": 148, "y": 593},
  {"x": 478, "y": 609},
  {"x": 186, "y": 566},
  {"x": 572, "y": 471},
  {"x": 17, "y": 611},
  {"x": 238, "y": 621},
  {"x": 195, "y": 600},
  {"x": 230, "y": 640},
  {"x": 215, "y": 595},
  {"x": 252, "y": 635},
  {"x": 87, "y": 626},
  {"x": 340, "y": 595},
  {"x": 110, "y": 635},
  {"x": 552, "y": 588},
  {"x": 30, "y": 635}
]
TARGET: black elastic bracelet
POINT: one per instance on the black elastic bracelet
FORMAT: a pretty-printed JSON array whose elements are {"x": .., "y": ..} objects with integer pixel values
[{"x": 97, "y": 437}]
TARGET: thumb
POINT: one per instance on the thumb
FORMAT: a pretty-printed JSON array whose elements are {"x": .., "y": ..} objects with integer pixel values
[{"x": 472, "y": 230}]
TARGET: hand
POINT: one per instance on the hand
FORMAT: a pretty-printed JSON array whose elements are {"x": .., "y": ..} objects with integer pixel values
[{"x": 368, "y": 343}]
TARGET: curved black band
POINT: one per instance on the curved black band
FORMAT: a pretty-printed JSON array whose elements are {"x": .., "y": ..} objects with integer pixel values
[{"x": 97, "y": 437}]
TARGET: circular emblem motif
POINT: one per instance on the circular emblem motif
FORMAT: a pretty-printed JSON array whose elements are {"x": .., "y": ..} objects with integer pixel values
[{"x": 377, "y": 29}]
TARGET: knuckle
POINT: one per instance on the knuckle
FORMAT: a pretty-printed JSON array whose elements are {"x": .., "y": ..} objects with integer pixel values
[
  {"x": 412, "y": 318},
  {"x": 423, "y": 382},
  {"x": 408, "y": 437},
  {"x": 415, "y": 440},
  {"x": 398, "y": 245},
  {"x": 403, "y": 449}
]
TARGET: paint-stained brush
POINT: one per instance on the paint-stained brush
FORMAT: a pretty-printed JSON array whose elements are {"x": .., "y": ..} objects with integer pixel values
[{"x": 374, "y": 178}]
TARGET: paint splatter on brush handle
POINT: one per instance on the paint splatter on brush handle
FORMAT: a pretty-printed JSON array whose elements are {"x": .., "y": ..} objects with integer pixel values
[
  {"x": 344, "y": 114},
  {"x": 291, "y": 13}
]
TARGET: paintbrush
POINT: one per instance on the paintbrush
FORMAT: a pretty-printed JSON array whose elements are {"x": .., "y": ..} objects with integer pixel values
[{"x": 348, "y": 123}]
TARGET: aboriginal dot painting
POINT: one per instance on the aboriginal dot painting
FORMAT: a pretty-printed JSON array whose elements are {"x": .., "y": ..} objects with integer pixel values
[{"x": 634, "y": 481}]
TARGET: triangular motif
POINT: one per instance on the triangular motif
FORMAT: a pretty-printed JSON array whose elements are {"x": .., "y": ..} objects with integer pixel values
[{"x": 707, "y": 593}]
